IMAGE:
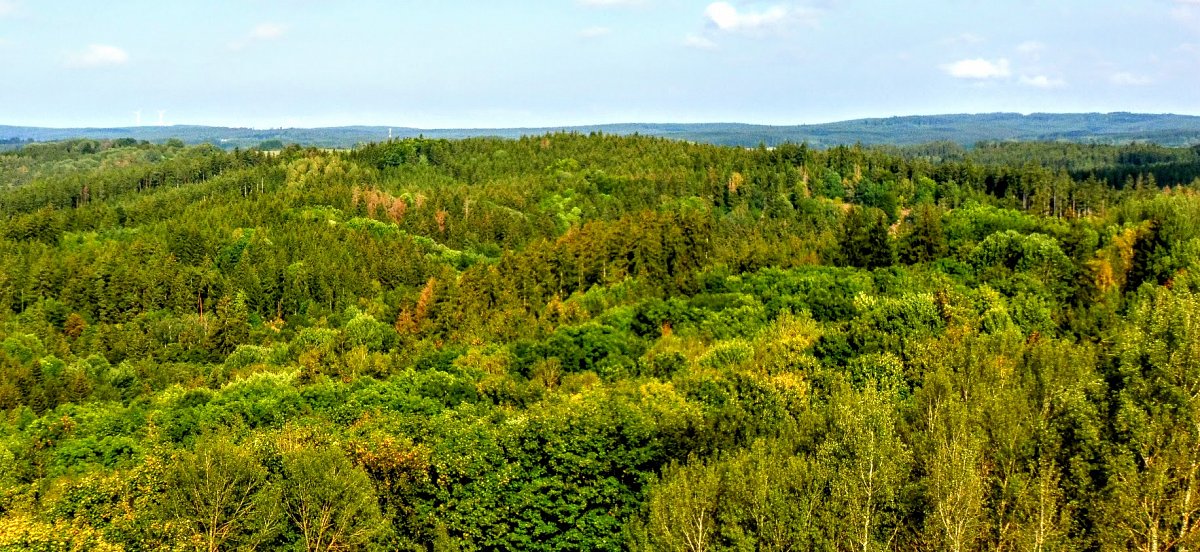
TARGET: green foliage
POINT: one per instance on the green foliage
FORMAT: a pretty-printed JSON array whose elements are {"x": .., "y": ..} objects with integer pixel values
[
  {"x": 924, "y": 239},
  {"x": 879, "y": 195},
  {"x": 865, "y": 240},
  {"x": 362, "y": 330},
  {"x": 973, "y": 223},
  {"x": 1017, "y": 262},
  {"x": 1156, "y": 437},
  {"x": 329, "y": 502},
  {"x": 571, "y": 342},
  {"x": 221, "y": 494}
]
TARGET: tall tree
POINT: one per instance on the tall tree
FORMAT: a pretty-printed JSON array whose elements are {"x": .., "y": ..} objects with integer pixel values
[
  {"x": 221, "y": 493},
  {"x": 865, "y": 240}
]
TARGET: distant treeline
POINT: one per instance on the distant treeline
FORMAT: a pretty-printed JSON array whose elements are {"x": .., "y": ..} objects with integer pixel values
[{"x": 966, "y": 130}]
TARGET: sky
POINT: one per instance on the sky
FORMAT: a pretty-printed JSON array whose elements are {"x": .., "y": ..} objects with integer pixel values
[{"x": 508, "y": 63}]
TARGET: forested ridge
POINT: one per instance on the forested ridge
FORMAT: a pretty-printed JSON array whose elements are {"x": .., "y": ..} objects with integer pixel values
[
  {"x": 597, "y": 342},
  {"x": 963, "y": 129}
]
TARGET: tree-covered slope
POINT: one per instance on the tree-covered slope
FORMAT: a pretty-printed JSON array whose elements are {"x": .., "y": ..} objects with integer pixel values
[
  {"x": 966, "y": 130},
  {"x": 570, "y": 342}
]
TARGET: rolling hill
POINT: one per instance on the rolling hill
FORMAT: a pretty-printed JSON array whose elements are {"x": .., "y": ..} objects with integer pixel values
[{"x": 1107, "y": 128}]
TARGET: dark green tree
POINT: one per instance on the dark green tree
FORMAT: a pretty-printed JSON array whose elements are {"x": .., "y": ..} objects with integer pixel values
[
  {"x": 865, "y": 239},
  {"x": 924, "y": 240}
]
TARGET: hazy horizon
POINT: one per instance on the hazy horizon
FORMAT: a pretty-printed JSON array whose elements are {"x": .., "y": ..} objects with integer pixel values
[{"x": 619, "y": 123}]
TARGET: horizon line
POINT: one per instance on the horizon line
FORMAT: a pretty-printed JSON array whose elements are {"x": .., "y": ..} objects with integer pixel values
[{"x": 589, "y": 125}]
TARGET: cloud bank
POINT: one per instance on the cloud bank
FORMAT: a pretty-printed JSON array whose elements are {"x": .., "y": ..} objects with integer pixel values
[
  {"x": 610, "y": 3},
  {"x": 98, "y": 55},
  {"x": 726, "y": 17},
  {"x": 595, "y": 32},
  {"x": 978, "y": 69},
  {"x": 699, "y": 42},
  {"x": 260, "y": 33},
  {"x": 1128, "y": 79},
  {"x": 1042, "y": 81}
]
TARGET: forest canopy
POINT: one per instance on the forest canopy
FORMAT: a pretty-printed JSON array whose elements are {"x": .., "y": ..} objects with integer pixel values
[{"x": 597, "y": 342}]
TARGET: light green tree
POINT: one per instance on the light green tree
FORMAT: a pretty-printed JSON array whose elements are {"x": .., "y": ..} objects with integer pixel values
[
  {"x": 222, "y": 494},
  {"x": 330, "y": 502}
]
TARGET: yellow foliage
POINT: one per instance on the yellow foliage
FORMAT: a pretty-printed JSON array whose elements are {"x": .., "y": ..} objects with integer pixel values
[
  {"x": 1111, "y": 265},
  {"x": 19, "y": 531},
  {"x": 576, "y": 384},
  {"x": 735, "y": 181},
  {"x": 783, "y": 346},
  {"x": 655, "y": 388},
  {"x": 547, "y": 373},
  {"x": 323, "y": 168},
  {"x": 490, "y": 360},
  {"x": 1102, "y": 274},
  {"x": 1124, "y": 243},
  {"x": 792, "y": 382},
  {"x": 562, "y": 313},
  {"x": 396, "y": 464},
  {"x": 663, "y": 401}
]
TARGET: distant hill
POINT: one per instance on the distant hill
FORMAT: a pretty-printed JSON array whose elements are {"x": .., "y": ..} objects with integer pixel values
[{"x": 1106, "y": 128}]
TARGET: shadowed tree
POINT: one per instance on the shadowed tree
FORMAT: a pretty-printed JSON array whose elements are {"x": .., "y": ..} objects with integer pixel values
[{"x": 864, "y": 239}]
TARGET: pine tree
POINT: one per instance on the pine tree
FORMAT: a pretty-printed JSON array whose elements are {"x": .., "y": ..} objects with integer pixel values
[{"x": 865, "y": 240}]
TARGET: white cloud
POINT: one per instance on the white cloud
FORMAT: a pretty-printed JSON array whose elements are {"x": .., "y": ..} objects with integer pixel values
[
  {"x": 1186, "y": 12},
  {"x": 1128, "y": 79},
  {"x": 978, "y": 68},
  {"x": 268, "y": 31},
  {"x": 699, "y": 42},
  {"x": 260, "y": 33},
  {"x": 610, "y": 3},
  {"x": 595, "y": 32},
  {"x": 1031, "y": 47},
  {"x": 726, "y": 17},
  {"x": 98, "y": 55},
  {"x": 1042, "y": 81},
  {"x": 8, "y": 7},
  {"x": 964, "y": 38}
]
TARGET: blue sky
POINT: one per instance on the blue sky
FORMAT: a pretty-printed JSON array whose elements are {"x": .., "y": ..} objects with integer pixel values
[{"x": 499, "y": 63}]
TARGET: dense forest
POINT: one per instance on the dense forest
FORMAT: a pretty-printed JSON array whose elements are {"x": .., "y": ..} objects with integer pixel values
[{"x": 597, "y": 342}]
